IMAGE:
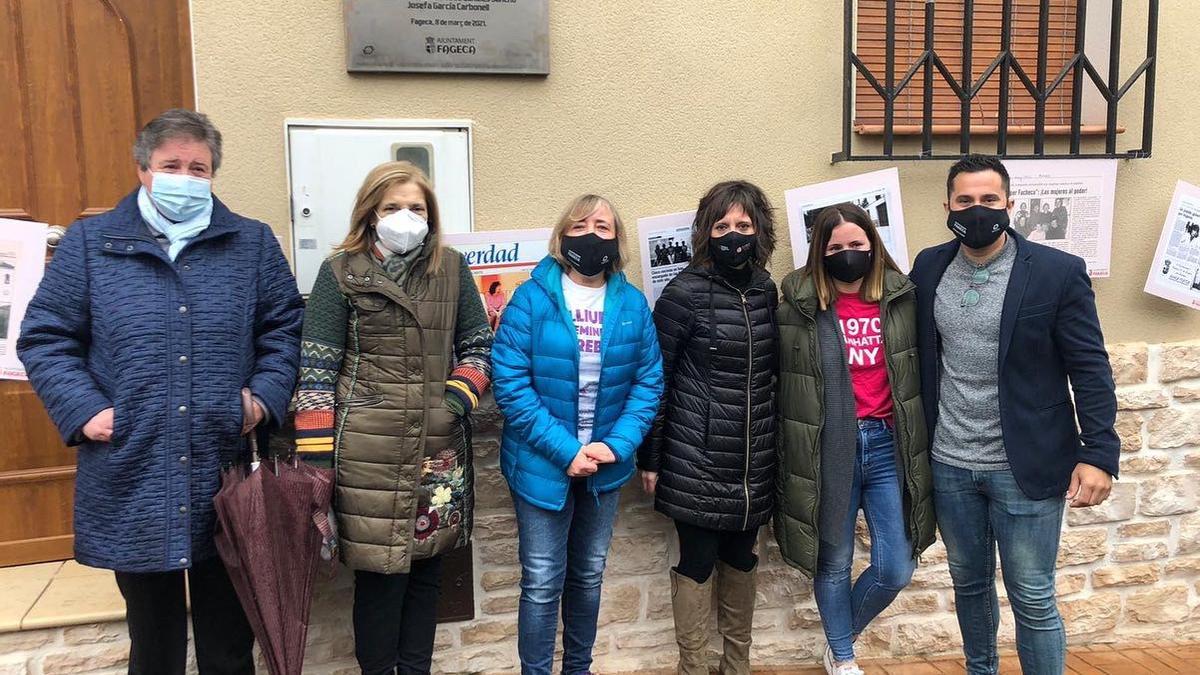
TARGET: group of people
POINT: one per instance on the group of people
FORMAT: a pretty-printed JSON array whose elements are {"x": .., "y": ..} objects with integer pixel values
[
  {"x": 1042, "y": 223},
  {"x": 671, "y": 253},
  {"x": 169, "y": 328}
]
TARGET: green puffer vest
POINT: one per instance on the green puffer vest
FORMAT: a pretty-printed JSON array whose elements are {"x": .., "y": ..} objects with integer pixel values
[
  {"x": 392, "y": 430},
  {"x": 801, "y": 415}
]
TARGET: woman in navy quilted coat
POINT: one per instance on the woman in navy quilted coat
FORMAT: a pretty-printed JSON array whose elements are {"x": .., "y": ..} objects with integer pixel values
[
  {"x": 577, "y": 372},
  {"x": 162, "y": 333}
]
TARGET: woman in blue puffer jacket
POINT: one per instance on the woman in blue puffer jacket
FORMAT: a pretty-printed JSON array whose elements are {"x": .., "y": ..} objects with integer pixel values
[{"x": 578, "y": 375}]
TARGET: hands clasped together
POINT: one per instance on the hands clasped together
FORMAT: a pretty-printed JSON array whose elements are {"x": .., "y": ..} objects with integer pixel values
[{"x": 589, "y": 459}]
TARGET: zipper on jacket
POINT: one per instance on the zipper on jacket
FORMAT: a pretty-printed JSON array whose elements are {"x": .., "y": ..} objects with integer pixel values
[
  {"x": 808, "y": 323},
  {"x": 898, "y": 412},
  {"x": 344, "y": 412},
  {"x": 749, "y": 378},
  {"x": 749, "y": 375}
]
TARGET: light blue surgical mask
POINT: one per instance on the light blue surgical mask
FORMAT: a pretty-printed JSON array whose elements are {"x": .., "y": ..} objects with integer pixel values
[
  {"x": 179, "y": 196},
  {"x": 178, "y": 233}
]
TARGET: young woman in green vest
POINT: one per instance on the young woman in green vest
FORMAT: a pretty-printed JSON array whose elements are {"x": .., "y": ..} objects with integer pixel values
[
  {"x": 852, "y": 430},
  {"x": 395, "y": 353}
]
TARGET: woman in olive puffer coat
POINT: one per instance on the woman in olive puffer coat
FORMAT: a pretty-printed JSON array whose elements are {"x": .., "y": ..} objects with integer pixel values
[
  {"x": 852, "y": 431},
  {"x": 710, "y": 458}
]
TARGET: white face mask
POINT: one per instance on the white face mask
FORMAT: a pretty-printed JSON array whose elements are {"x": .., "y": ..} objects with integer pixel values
[{"x": 401, "y": 231}]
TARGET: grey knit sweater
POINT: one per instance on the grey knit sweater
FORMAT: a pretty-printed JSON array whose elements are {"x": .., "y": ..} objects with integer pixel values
[{"x": 968, "y": 433}]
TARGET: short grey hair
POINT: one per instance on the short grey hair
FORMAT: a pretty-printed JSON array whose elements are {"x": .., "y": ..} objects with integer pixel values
[{"x": 176, "y": 123}]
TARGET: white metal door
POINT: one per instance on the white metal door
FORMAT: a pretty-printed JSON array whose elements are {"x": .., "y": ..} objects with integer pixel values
[{"x": 328, "y": 160}]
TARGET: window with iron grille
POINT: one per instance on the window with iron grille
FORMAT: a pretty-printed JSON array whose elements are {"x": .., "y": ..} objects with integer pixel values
[{"x": 987, "y": 71}]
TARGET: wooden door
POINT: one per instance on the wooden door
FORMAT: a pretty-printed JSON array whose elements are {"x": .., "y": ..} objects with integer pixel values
[{"x": 78, "y": 78}]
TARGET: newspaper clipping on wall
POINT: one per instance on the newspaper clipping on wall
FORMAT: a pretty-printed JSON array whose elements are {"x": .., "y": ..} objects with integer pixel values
[
  {"x": 500, "y": 261},
  {"x": 1175, "y": 272},
  {"x": 666, "y": 248},
  {"x": 22, "y": 262},
  {"x": 878, "y": 193},
  {"x": 1067, "y": 204}
]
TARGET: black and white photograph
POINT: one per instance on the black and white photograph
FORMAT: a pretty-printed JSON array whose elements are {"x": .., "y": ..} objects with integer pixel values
[
  {"x": 1066, "y": 204},
  {"x": 665, "y": 243},
  {"x": 876, "y": 192},
  {"x": 1042, "y": 218},
  {"x": 22, "y": 262},
  {"x": 1188, "y": 234},
  {"x": 1175, "y": 272},
  {"x": 1184, "y": 244},
  {"x": 9, "y": 253},
  {"x": 669, "y": 250},
  {"x": 873, "y": 202}
]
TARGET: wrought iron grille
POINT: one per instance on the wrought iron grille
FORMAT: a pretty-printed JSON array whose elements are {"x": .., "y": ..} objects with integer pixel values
[{"x": 1005, "y": 66}]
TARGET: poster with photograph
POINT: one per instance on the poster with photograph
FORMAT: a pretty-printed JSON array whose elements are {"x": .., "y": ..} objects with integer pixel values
[
  {"x": 666, "y": 247},
  {"x": 1067, "y": 204},
  {"x": 878, "y": 193},
  {"x": 22, "y": 262},
  {"x": 1175, "y": 272},
  {"x": 500, "y": 261}
]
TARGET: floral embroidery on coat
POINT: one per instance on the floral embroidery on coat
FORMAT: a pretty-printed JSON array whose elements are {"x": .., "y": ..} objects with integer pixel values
[{"x": 441, "y": 500}]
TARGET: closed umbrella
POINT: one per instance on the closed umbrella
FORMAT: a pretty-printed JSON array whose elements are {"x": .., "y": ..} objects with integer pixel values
[{"x": 271, "y": 526}]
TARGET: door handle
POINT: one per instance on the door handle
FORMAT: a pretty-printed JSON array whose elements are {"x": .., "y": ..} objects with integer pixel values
[{"x": 54, "y": 236}]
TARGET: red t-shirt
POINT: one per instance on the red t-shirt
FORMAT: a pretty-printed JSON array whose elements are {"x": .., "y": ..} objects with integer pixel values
[{"x": 862, "y": 332}]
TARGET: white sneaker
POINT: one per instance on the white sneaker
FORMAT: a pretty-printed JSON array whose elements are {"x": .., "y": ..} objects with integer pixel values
[{"x": 848, "y": 668}]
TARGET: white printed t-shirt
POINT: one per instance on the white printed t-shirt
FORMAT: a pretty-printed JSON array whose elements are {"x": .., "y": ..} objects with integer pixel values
[{"x": 586, "y": 306}]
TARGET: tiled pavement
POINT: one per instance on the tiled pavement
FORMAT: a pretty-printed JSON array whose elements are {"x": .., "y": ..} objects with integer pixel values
[
  {"x": 57, "y": 594},
  {"x": 53, "y": 594}
]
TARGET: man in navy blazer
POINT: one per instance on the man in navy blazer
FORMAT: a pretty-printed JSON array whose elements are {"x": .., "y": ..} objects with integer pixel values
[{"x": 1007, "y": 331}]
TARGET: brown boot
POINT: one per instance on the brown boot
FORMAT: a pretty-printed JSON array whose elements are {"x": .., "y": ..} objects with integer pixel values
[
  {"x": 735, "y": 616},
  {"x": 692, "y": 605}
]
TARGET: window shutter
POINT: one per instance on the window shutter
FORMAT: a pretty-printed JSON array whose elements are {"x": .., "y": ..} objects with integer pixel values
[{"x": 948, "y": 20}]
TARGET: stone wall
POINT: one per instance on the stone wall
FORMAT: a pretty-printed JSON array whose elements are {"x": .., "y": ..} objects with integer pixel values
[{"x": 1128, "y": 570}]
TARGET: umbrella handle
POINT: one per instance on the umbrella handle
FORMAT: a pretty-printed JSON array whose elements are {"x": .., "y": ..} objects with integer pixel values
[{"x": 253, "y": 447}]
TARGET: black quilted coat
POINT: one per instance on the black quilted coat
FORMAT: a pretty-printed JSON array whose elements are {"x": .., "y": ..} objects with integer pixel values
[{"x": 713, "y": 442}]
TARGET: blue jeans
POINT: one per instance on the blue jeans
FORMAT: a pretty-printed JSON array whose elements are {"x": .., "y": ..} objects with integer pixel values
[
  {"x": 976, "y": 511},
  {"x": 562, "y": 556},
  {"x": 846, "y": 611}
]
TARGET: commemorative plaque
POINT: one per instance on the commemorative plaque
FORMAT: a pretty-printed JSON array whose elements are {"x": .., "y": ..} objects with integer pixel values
[{"x": 448, "y": 36}]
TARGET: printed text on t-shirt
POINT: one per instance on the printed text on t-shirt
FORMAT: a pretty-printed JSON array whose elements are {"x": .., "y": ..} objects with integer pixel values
[
  {"x": 588, "y": 324},
  {"x": 863, "y": 340}
]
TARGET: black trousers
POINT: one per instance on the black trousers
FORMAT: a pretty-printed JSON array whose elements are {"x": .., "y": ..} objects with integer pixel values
[
  {"x": 156, "y": 613},
  {"x": 395, "y": 618},
  {"x": 700, "y": 549}
]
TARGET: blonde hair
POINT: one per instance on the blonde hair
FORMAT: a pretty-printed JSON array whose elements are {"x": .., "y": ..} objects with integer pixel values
[
  {"x": 362, "y": 217},
  {"x": 826, "y": 222},
  {"x": 581, "y": 207}
]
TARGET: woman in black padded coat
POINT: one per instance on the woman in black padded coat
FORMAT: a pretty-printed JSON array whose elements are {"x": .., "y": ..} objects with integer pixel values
[{"x": 710, "y": 458}]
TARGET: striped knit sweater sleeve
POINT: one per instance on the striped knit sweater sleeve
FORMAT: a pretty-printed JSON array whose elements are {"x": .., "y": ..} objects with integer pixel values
[
  {"x": 472, "y": 373},
  {"x": 322, "y": 346}
]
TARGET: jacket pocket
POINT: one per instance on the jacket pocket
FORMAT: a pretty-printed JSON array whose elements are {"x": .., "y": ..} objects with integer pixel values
[
  {"x": 234, "y": 419},
  {"x": 369, "y": 302},
  {"x": 120, "y": 428},
  {"x": 359, "y": 401},
  {"x": 442, "y": 423},
  {"x": 1035, "y": 311},
  {"x": 1056, "y": 427}
]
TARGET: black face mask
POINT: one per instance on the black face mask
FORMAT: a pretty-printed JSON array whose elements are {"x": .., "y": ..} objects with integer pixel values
[
  {"x": 589, "y": 254},
  {"x": 848, "y": 265},
  {"x": 732, "y": 250},
  {"x": 978, "y": 226}
]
